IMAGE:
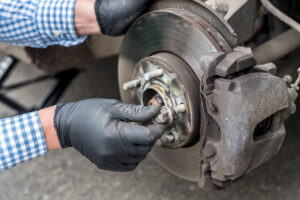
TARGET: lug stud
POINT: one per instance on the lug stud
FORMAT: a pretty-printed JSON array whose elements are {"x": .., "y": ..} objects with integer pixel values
[
  {"x": 168, "y": 138},
  {"x": 153, "y": 74},
  {"x": 180, "y": 108},
  {"x": 131, "y": 84}
]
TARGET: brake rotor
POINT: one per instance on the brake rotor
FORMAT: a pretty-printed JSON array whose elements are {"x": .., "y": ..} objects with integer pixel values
[{"x": 188, "y": 36}]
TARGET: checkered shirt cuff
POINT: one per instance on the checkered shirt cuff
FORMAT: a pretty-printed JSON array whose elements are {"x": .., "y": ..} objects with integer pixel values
[
  {"x": 38, "y": 23},
  {"x": 55, "y": 22},
  {"x": 21, "y": 139}
]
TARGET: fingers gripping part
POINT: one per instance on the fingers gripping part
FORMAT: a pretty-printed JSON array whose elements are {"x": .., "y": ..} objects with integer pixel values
[
  {"x": 106, "y": 132},
  {"x": 156, "y": 131},
  {"x": 141, "y": 135},
  {"x": 136, "y": 113}
]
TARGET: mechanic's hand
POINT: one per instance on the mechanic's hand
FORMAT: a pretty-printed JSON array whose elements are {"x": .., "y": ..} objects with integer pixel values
[
  {"x": 114, "y": 16},
  {"x": 100, "y": 129}
]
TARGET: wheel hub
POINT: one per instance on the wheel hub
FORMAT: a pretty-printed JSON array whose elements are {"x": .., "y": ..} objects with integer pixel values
[{"x": 167, "y": 80}]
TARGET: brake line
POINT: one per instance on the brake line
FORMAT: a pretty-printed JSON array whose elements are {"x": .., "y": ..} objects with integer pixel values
[{"x": 280, "y": 15}]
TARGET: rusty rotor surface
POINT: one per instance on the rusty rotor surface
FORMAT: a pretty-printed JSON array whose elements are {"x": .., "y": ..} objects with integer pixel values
[{"x": 185, "y": 35}]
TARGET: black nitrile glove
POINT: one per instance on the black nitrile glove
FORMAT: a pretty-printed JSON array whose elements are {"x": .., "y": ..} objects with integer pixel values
[
  {"x": 114, "y": 16},
  {"x": 100, "y": 129}
]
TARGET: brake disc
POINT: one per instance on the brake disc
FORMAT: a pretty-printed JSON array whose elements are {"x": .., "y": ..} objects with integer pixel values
[
  {"x": 225, "y": 113},
  {"x": 177, "y": 29}
]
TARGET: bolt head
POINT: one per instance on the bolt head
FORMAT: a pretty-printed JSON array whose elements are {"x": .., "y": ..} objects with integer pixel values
[{"x": 288, "y": 79}]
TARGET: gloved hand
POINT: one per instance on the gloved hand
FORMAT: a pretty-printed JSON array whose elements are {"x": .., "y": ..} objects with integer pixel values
[
  {"x": 100, "y": 129},
  {"x": 114, "y": 16}
]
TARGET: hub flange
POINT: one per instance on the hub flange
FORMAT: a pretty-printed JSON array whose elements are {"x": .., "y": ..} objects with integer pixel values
[{"x": 167, "y": 80}]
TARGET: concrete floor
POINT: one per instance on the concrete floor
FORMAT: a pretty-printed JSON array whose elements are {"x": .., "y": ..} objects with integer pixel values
[{"x": 66, "y": 175}]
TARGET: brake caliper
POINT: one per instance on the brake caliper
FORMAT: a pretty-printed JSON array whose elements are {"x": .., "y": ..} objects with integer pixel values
[{"x": 244, "y": 110}]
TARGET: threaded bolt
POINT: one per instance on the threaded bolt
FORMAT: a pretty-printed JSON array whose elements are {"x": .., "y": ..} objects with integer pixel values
[
  {"x": 180, "y": 108},
  {"x": 153, "y": 74},
  {"x": 167, "y": 138},
  {"x": 131, "y": 84}
]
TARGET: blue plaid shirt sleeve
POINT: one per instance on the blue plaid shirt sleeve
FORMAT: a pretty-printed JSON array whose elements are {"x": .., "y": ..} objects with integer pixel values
[
  {"x": 38, "y": 23},
  {"x": 21, "y": 139}
]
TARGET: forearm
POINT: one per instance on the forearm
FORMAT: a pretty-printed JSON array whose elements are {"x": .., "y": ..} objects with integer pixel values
[
  {"x": 85, "y": 19},
  {"x": 46, "y": 117},
  {"x": 27, "y": 136}
]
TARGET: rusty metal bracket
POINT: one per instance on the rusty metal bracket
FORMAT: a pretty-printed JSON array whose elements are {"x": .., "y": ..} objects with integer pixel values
[{"x": 247, "y": 127}]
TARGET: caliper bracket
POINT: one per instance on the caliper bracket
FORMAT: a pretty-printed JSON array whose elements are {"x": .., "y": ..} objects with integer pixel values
[{"x": 250, "y": 109}]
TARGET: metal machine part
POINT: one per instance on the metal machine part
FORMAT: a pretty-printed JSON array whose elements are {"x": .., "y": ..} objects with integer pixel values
[
  {"x": 248, "y": 117},
  {"x": 230, "y": 111},
  {"x": 161, "y": 31},
  {"x": 280, "y": 15},
  {"x": 167, "y": 80}
]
